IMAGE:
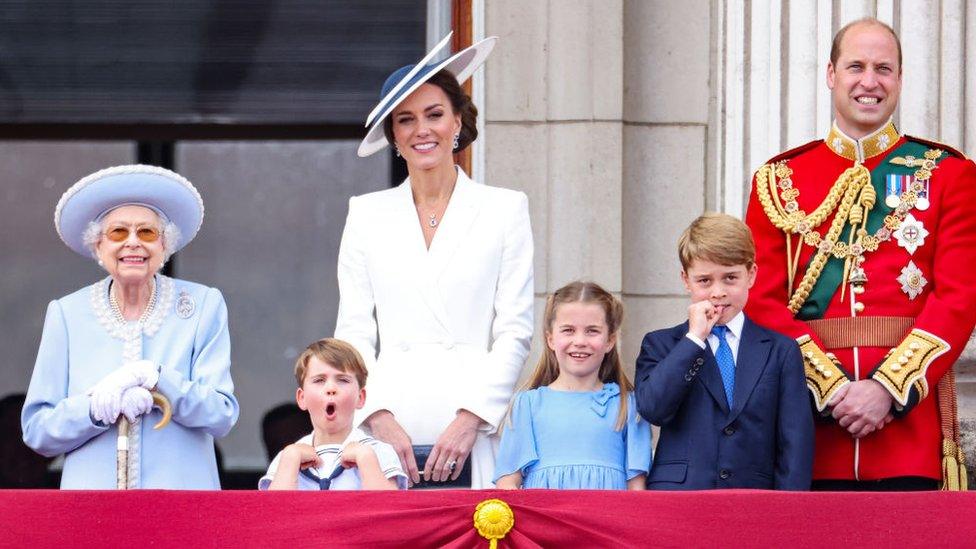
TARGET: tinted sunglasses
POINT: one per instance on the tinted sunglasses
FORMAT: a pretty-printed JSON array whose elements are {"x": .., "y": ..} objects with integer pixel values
[{"x": 121, "y": 234}]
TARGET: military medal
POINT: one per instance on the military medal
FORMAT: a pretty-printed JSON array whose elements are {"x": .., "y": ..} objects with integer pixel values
[
  {"x": 919, "y": 182},
  {"x": 911, "y": 234},
  {"x": 912, "y": 281},
  {"x": 922, "y": 203},
  {"x": 895, "y": 185}
]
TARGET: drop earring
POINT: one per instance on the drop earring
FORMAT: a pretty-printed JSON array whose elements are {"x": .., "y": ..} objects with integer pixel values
[
  {"x": 397, "y": 149},
  {"x": 456, "y": 137}
]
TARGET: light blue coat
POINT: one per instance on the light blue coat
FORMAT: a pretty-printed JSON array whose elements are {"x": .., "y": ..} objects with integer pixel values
[{"x": 77, "y": 351}]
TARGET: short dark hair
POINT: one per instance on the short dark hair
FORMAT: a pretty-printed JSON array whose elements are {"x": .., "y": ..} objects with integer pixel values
[
  {"x": 460, "y": 103},
  {"x": 835, "y": 46}
]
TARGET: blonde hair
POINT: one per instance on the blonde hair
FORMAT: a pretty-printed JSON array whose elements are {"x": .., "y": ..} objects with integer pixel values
[
  {"x": 611, "y": 370},
  {"x": 718, "y": 238},
  {"x": 336, "y": 353}
]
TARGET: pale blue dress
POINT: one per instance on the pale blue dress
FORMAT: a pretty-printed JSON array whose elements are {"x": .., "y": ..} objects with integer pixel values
[
  {"x": 566, "y": 439},
  {"x": 186, "y": 335}
]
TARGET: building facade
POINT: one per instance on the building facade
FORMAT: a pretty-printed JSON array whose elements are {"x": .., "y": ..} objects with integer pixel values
[{"x": 623, "y": 120}]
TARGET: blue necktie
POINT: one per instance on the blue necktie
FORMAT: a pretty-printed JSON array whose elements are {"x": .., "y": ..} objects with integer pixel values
[
  {"x": 726, "y": 364},
  {"x": 324, "y": 483}
]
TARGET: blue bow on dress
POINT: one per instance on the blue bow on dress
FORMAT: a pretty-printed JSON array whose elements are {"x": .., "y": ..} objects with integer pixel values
[{"x": 602, "y": 398}]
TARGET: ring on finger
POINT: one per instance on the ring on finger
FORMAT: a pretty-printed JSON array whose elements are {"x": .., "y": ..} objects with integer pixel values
[{"x": 452, "y": 465}]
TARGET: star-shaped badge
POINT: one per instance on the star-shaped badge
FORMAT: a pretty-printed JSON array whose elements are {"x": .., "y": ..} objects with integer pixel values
[
  {"x": 911, "y": 280},
  {"x": 911, "y": 234}
]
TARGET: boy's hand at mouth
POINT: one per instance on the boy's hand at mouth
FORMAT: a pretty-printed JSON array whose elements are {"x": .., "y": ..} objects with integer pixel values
[{"x": 702, "y": 316}]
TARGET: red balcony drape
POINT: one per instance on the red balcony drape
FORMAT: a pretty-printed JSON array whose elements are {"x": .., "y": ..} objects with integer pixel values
[{"x": 37, "y": 519}]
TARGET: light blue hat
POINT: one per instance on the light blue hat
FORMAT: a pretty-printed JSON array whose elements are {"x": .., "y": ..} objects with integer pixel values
[
  {"x": 167, "y": 193},
  {"x": 406, "y": 79}
]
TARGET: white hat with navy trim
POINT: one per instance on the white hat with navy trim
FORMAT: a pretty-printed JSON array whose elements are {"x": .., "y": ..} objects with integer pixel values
[{"x": 406, "y": 80}]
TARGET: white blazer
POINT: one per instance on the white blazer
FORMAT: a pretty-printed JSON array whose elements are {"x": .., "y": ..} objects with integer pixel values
[{"x": 445, "y": 328}]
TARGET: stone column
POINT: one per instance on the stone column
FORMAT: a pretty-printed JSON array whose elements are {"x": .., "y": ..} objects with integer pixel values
[
  {"x": 667, "y": 52},
  {"x": 553, "y": 130}
]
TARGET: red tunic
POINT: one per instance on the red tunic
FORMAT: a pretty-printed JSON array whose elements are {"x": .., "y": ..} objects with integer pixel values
[{"x": 911, "y": 444}]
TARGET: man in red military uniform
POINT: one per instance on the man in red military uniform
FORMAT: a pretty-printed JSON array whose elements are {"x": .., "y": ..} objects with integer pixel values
[{"x": 866, "y": 245}]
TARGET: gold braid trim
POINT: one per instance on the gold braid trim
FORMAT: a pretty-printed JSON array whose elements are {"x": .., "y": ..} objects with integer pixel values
[
  {"x": 823, "y": 372},
  {"x": 852, "y": 180},
  {"x": 843, "y": 196},
  {"x": 953, "y": 467},
  {"x": 953, "y": 458},
  {"x": 766, "y": 180},
  {"x": 905, "y": 366},
  {"x": 796, "y": 221}
]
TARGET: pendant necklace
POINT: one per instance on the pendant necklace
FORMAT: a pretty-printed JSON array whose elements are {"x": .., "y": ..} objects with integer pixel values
[{"x": 432, "y": 220}]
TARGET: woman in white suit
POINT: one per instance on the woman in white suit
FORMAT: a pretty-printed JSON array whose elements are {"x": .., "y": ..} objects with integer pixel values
[{"x": 435, "y": 279}]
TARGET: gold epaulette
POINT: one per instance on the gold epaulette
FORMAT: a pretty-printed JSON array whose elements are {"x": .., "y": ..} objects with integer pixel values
[
  {"x": 936, "y": 145},
  {"x": 905, "y": 366},
  {"x": 824, "y": 375}
]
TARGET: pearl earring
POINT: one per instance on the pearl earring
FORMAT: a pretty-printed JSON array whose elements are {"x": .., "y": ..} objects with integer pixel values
[{"x": 101, "y": 263}]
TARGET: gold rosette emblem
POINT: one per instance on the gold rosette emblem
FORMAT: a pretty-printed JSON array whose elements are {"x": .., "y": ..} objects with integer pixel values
[{"x": 493, "y": 518}]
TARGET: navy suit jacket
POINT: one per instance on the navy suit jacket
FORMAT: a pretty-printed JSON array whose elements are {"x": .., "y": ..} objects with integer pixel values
[{"x": 764, "y": 441}]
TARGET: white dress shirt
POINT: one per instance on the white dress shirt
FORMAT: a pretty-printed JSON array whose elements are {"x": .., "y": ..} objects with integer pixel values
[{"x": 733, "y": 335}]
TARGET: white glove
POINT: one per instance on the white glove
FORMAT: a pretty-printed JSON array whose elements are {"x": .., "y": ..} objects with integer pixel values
[
  {"x": 106, "y": 395},
  {"x": 105, "y": 406},
  {"x": 136, "y": 401},
  {"x": 145, "y": 372}
]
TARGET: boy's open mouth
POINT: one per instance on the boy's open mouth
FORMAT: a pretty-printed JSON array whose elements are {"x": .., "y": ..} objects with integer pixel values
[{"x": 330, "y": 409}]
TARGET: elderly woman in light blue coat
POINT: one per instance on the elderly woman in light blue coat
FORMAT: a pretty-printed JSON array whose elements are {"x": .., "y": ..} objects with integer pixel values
[{"x": 106, "y": 346}]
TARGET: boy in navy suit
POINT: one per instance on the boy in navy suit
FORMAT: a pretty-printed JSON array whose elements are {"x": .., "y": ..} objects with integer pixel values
[{"x": 728, "y": 394}]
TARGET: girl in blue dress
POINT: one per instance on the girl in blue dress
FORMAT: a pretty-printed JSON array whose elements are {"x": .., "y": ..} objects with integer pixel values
[{"x": 576, "y": 423}]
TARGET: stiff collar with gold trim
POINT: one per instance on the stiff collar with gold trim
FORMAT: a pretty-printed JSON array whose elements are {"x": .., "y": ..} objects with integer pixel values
[{"x": 859, "y": 150}]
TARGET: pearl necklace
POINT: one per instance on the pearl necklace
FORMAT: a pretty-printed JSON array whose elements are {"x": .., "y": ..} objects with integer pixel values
[
  {"x": 106, "y": 308},
  {"x": 117, "y": 310}
]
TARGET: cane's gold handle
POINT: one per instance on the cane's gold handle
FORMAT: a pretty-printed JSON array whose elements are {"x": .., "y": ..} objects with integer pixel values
[{"x": 163, "y": 403}]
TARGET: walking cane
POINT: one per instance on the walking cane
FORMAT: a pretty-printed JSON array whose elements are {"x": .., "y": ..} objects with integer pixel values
[{"x": 122, "y": 456}]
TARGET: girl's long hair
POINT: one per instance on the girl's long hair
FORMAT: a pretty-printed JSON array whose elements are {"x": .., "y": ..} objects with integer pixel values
[{"x": 611, "y": 370}]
